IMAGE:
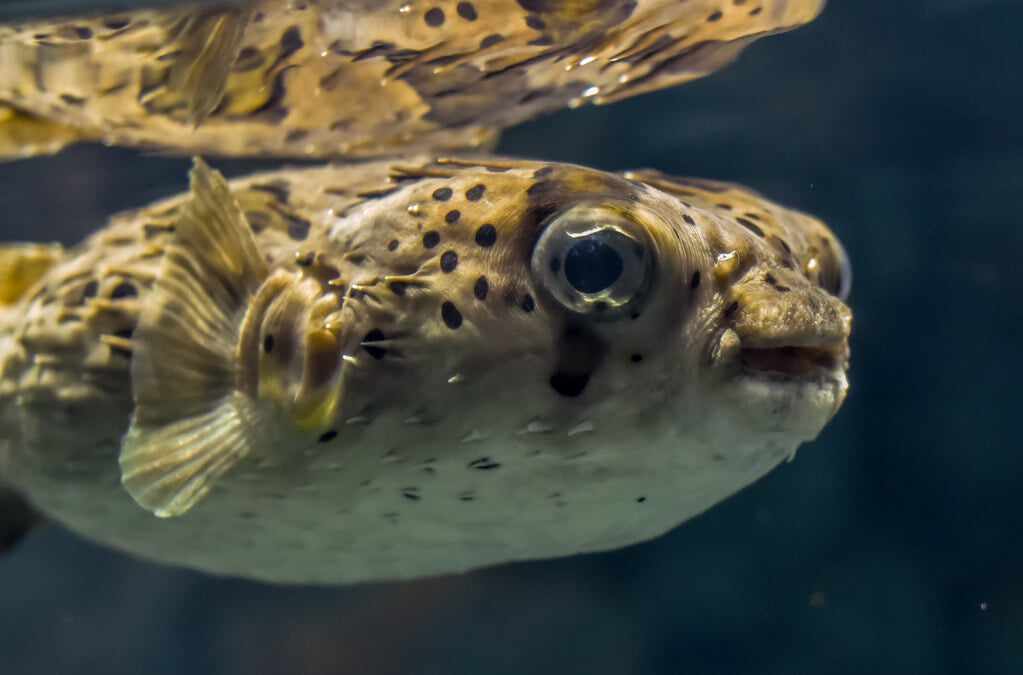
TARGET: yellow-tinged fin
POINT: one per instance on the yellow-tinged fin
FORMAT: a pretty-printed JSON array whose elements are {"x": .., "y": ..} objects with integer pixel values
[
  {"x": 22, "y": 265},
  {"x": 208, "y": 47},
  {"x": 23, "y": 135},
  {"x": 191, "y": 421}
]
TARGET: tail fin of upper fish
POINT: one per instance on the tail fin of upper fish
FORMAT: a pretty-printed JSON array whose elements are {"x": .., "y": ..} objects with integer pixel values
[
  {"x": 22, "y": 265},
  {"x": 23, "y": 135},
  {"x": 192, "y": 421}
]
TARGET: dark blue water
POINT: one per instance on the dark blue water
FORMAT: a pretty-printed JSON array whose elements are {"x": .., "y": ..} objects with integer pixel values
[{"x": 893, "y": 544}]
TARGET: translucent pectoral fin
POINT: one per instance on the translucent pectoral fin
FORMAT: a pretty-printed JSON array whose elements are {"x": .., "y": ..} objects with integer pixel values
[{"x": 191, "y": 422}]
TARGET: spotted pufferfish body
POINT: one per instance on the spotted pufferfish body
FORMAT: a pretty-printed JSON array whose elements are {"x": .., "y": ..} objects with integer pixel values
[
  {"x": 400, "y": 369},
  {"x": 326, "y": 78}
]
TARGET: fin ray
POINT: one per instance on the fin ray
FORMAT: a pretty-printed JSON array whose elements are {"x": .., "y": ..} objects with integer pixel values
[{"x": 191, "y": 423}]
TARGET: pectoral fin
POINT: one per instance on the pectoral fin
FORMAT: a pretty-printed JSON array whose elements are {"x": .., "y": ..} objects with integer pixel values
[{"x": 191, "y": 421}]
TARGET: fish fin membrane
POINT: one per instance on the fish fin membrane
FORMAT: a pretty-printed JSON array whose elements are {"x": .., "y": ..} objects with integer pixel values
[
  {"x": 22, "y": 265},
  {"x": 208, "y": 46},
  {"x": 23, "y": 135},
  {"x": 17, "y": 519},
  {"x": 191, "y": 423}
]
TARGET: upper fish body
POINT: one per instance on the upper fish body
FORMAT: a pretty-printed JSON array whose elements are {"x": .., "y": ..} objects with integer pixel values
[
  {"x": 399, "y": 369},
  {"x": 331, "y": 78}
]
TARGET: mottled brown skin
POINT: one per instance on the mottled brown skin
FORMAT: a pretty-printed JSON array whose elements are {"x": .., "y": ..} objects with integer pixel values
[
  {"x": 509, "y": 444},
  {"x": 323, "y": 78}
]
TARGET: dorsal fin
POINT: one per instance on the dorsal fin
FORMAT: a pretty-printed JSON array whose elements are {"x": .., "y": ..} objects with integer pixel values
[{"x": 191, "y": 423}]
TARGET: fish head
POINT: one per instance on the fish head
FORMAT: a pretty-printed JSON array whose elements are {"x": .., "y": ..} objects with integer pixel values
[{"x": 559, "y": 296}]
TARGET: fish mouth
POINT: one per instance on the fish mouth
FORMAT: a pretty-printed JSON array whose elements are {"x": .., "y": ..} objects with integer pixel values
[{"x": 791, "y": 362}]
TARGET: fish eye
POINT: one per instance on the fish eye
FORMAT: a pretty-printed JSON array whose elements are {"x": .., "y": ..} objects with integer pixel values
[{"x": 593, "y": 260}]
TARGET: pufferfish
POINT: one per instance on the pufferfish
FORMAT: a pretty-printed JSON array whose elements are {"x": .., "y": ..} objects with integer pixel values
[{"x": 410, "y": 368}]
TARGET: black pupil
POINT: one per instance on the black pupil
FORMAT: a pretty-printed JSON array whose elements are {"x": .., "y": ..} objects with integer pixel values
[{"x": 592, "y": 266}]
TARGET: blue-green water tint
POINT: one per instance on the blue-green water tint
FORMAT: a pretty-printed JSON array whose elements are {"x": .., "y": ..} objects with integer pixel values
[{"x": 891, "y": 545}]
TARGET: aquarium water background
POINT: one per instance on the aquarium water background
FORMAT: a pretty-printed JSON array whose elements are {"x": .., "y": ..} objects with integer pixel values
[{"x": 892, "y": 544}]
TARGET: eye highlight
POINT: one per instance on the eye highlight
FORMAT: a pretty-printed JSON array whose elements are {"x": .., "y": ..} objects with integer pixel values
[{"x": 593, "y": 260}]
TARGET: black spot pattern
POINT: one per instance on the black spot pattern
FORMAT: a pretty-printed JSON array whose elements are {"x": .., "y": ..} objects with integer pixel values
[
  {"x": 298, "y": 228},
  {"x": 490, "y": 40},
  {"x": 375, "y": 335},
  {"x": 268, "y": 344},
  {"x": 392, "y": 245},
  {"x": 688, "y": 218},
  {"x": 466, "y": 11},
  {"x": 327, "y": 436},
  {"x": 568, "y": 385},
  {"x": 716, "y": 16},
  {"x": 90, "y": 289},
  {"x": 398, "y": 287},
  {"x": 475, "y": 193},
  {"x": 442, "y": 194},
  {"x": 451, "y": 316},
  {"x": 486, "y": 236},
  {"x": 124, "y": 290},
  {"x": 451, "y": 217},
  {"x": 434, "y": 17},
  {"x": 751, "y": 226},
  {"x": 431, "y": 238},
  {"x": 448, "y": 262},
  {"x": 481, "y": 288},
  {"x": 528, "y": 304}
]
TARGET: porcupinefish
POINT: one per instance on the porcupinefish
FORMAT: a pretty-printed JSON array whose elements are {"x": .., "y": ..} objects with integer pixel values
[
  {"x": 331, "y": 78},
  {"x": 401, "y": 369}
]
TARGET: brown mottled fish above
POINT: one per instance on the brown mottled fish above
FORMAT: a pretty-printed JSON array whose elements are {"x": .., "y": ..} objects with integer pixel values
[
  {"x": 401, "y": 369},
  {"x": 326, "y": 78}
]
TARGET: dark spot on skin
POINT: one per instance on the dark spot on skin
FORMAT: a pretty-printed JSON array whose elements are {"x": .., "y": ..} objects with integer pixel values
[
  {"x": 640, "y": 500},
  {"x": 124, "y": 289},
  {"x": 434, "y": 17},
  {"x": 483, "y": 464},
  {"x": 528, "y": 304},
  {"x": 392, "y": 245},
  {"x": 695, "y": 281},
  {"x": 466, "y": 11},
  {"x": 249, "y": 59},
  {"x": 327, "y": 436},
  {"x": 716, "y": 16},
  {"x": 567, "y": 385},
  {"x": 90, "y": 289},
  {"x": 731, "y": 310},
  {"x": 375, "y": 335},
  {"x": 116, "y": 22},
  {"x": 752, "y": 216},
  {"x": 636, "y": 358},
  {"x": 291, "y": 42},
  {"x": 688, "y": 218},
  {"x": 535, "y": 22},
  {"x": 298, "y": 228},
  {"x": 278, "y": 189},
  {"x": 431, "y": 238},
  {"x": 268, "y": 344},
  {"x": 754, "y": 12},
  {"x": 72, "y": 100},
  {"x": 398, "y": 287},
  {"x": 480, "y": 288},
  {"x": 475, "y": 193},
  {"x": 771, "y": 281},
  {"x": 486, "y": 236},
  {"x": 451, "y": 217},
  {"x": 490, "y": 40},
  {"x": 411, "y": 493},
  {"x": 785, "y": 245},
  {"x": 751, "y": 226},
  {"x": 448, "y": 262},
  {"x": 442, "y": 194},
  {"x": 451, "y": 316},
  {"x": 543, "y": 172}
]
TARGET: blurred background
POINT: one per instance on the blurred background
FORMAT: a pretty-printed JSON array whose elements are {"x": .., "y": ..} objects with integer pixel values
[{"x": 893, "y": 544}]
